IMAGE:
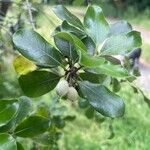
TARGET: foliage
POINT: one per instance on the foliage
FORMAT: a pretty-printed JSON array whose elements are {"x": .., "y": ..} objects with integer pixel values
[{"x": 79, "y": 50}]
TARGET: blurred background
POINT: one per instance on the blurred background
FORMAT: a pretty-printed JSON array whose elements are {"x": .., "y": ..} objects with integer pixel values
[{"x": 85, "y": 132}]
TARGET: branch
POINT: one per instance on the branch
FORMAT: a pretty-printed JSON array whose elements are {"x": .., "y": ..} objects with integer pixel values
[{"x": 30, "y": 15}]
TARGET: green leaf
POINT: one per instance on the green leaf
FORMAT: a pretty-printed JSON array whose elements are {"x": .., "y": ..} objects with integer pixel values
[
  {"x": 90, "y": 61},
  {"x": 121, "y": 44},
  {"x": 85, "y": 59},
  {"x": 25, "y": 105},
  {"x": 120, "y": 27},
  {"x": 90, "y": 45},
  {"x": 65, "y": 26},
  {"x": 8, "y": 109},
  {"x": 7, "y": 142},
  {"x": 83, "y": 103},
  {"x": 32, "y": 126},
  {"x": 58, "y": 121},
  {"x": 64, "y": 14},
  {"x": 34, "y": 47},
  {"x": 23, "y": 65},
  {"x": 22, "y": 112},
  {"x": 89, "y": 112},
  {"x": 38, "y": 83},
  {"x": 72, "y": 39},
  {"x": 44, "y": 139},
  {"x": 112, "y": 59},
  {"x": 111, "y": 70},
  {"x": 91, "y": 77},
  {"x": 48, "y": 138},
  {"x": 66, "y": 47},
  {"x": 78, "y": 2},
  {"x": 95, "y": 24},
  {"x": 103, "y": 100},
  {"x": 116, "y": 85},
  {"x": 19, "y": 146}
]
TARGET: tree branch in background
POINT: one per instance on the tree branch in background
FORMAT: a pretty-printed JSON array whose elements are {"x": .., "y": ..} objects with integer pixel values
[
  {"x": 30, "y": 15},
  {"x": 4, "y": 8}
]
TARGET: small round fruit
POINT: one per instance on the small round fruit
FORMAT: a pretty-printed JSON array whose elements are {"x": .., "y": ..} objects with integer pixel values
[
  {"x": 72, "y": 94},
  {"x": 62, "y": 88}
]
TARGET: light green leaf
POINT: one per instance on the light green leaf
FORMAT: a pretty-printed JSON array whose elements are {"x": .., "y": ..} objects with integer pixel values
[
  {"x": 8, "y": 109},
  {"x": 7, "y": 142},
  {"x": 32, "y": 126},
  {"x": 64, "y": 14},
  {"x": 90, "y": 61},
  {"x": 111, "y": 70},
  {"x": 25, "y": 105},
  {"x": 38, "y": 83},
  {"x": 112, "y": 59},
  {"x": 120, "y": 27},
  {"x": 34, "y": 47},
  {"x": 23, "y": 65},
  {"x": 22, "y": 112},
  {"x": 103, "y": 100},
  {"x": 95, "y": 24},
  {"x": 121, "y": 44}
]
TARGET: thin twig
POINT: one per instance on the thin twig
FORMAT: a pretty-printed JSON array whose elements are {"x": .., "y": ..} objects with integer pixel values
[{"x": 30, "y": 15}]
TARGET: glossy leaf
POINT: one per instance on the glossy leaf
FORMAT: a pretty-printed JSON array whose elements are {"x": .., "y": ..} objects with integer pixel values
[
  {"x": 121, "y": 44},
  {"x": 95, "y": 24},
  {"x": 90, "y": 61},
  {"x": 38, "y": 83},
  {"x": 64, "y": 14},
  {"x": 23, "y": 65},
  {"x": 67, "y": 48},
  {"x": 90, "y": 45},
  {"x": 72, "y": 39},
  {"x": 111, "y": 70},
  {"x": 34, "y": 47},
  {"x": 25, "y": 105},
  {"x": 103, "y": 100},
  {"x": 8, "y": 109},
  {"x": 112, "y": 59},
  {"x": 85, "y": 59},
  {"x": 65, "y": 26},
  {"x": 32, "y": 126},
  {"x": 92, "y": 77},
  {"x": 22, "y": 112},
  {"x": 7, "y": 142},
  {"x": 120, "y": 27}
]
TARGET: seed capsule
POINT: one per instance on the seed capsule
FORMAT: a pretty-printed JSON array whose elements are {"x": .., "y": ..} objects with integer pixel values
[
  {"x": 62, "y": 88},
  {"x": 72, "y": 94}
]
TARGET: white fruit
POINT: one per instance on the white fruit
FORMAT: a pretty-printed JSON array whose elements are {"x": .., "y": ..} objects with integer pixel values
[
  {"x": 72, "y": 94},
  {"x": 62, "y": 88}
]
